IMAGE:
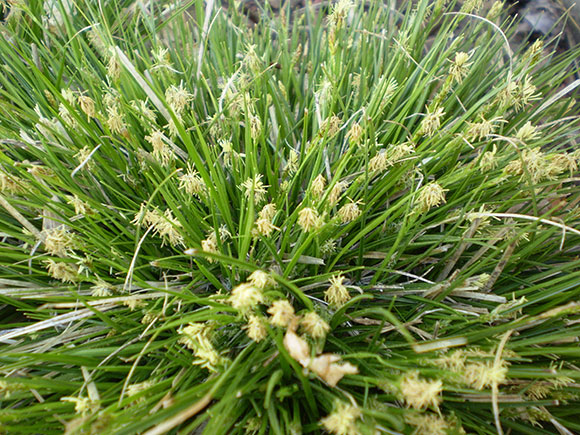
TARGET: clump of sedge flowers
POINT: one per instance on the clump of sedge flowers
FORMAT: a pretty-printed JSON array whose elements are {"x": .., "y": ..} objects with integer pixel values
[
  {"x": 314, "y": 325},
  {"x": 420, "y": 393},
  {"x": 342, "y": 420},
  {"x": 196, "y": 336},
  {"x": 256, "y": 328},
  {"x": 192, "y": 183},
  {"x": 431, "y": 195},
  {"x": 337, "y": 294},
  {"x": 264, "y": 225},
  {"x": 349, "y": 212},
  {"x": 254, "y": 188},
  {"x": 246, "y": 296},
  {"x": 282, "y": 313},
  {"x": 162, "y": 224},
  {"x": 309, "y": 220},
  {"x": 186, "y": 219},
  {"x": 431, "y": 121},
  {"x": 59, "y": 241},
  {"x": 459, "y": 67}
]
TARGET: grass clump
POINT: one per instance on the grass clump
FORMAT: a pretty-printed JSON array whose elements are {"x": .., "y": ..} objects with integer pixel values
[{"x": 359, "y": 223}]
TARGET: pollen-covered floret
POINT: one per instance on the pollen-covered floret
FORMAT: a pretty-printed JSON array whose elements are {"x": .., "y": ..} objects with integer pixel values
[
  {"x": 421, "y": 393},
  {"x": 116, "y": 120},
  {"x": 488, "y": 160},
  {"x": 268, "y": 211},
  {"x": 349, "y": 212},
  {"x": 161, "y": 150},
  {"x": 59, "y": 241},
  {"x": 192, "y": 184},
  {"x": 355, "y": 134},
  {"x": 282, "y": 313},
  {"x": 527, "y": 132},
  {"x": 482, "y": 129},
  {"x": 246, "y": 296},
  {"x": 459, "y": 66},
  {"x": 10, "y": 183},
  {"x": 314, "y": 325},
  {"x": 196, "y": 336},
  {"x": 342, "y": 420},
  {"x": 379, "y": 162},
  {"x": 178, "y": 98},
  {"x": 318, "y": 185},
  {"x": 87, "y": 105},
  {"x": 431, "y": 195},
  {"x": 532, "y": 162},
  {"x": 209, "y": 245},
  {"x": 83, "y": 405},
  {"x": 81, "y": 207},
  {"x": 66, "y": 272},
  {"x": 337, "y": 191},
  {"x": 337, "y": 294},
  {"x": 254, "y": 188},
  {"x": 261, "y": 279},
  {"x": 309, "y": 220},
  {"x": 484, "y": 374},
  {"x": 432, "y": 121},
  {"x": 264, "y": 225},
  {"x": 256, "y": 328}
]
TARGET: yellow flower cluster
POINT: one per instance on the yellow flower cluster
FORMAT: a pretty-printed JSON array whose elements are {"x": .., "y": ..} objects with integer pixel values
[
  {"x": 337, "y": 294},
  {"x": 309, "y": 220},
  {"x": 161, "y": 150},
  {"x": 336, "y": 192},
  {"x": 482, "y": 129},
  {"x": 66, "y": 272},
  {"x": 246, "y": 296},
  {"x": 349, "y": 212},
  {"x": 485, "y": 374},
  {"x": 431, "y": 195},
  {"x": 431, "y": 122},
  {"x": 282, "y": 313},
  {"x": 59, "y": 241},
  {"x": 83, "y": 405},
  {"x": 178, "y": 98},
  {"x": 264, "y": 225},
  {"x": 10, "y": 184},
  {"x": 196, "y": 336},
  {"x": 342, "y": 420},
  {"x": 314, "y": 325},
  {"x": 256, "y": 328},
  {"x": 459, "y": 67},
  {"x": 254, "y": 189},
  {"x": 420, "y": 393},
  {"x": 162, "y": 224},
  {"x": 318, "y": 185},
  {"x": 192, "y": 184}
]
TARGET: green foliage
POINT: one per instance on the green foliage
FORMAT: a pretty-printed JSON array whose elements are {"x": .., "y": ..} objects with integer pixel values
[{"x": 400, "y": 178}]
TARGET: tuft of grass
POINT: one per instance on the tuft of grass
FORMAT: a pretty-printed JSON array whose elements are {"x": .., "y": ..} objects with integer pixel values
[{"x": 359, "y": 223}]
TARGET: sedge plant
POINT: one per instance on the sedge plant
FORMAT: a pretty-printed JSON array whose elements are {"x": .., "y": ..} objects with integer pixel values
[{"x": 362, "y": 220}]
